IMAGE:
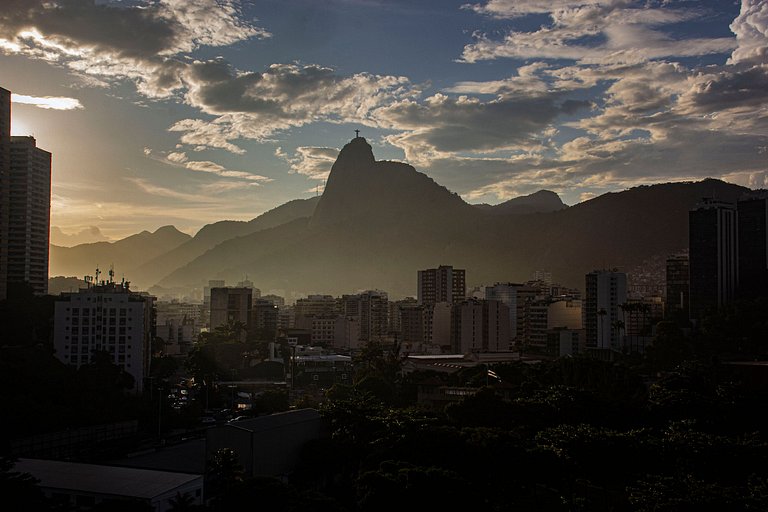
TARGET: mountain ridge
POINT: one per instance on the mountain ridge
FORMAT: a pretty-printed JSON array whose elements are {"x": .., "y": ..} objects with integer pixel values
[{"x": 378, "y": 222}]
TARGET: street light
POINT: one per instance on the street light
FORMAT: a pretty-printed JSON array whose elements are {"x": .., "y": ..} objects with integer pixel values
[{"x": 232, "y": 388}]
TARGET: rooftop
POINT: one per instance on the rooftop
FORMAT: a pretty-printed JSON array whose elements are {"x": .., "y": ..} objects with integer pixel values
[{"x": 92, "y": 478}]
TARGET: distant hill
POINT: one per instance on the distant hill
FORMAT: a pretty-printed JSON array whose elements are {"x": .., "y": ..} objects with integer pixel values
[
  {"x": 59, "y": 284},
  {"x": 211, "y": 235},
  {"x": 542, "y": 201},
  {"x": 377, "y": 223},
  {"x": 126, "y": 254}
]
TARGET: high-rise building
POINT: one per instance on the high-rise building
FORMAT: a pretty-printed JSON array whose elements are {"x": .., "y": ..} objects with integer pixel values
[
  {"x": 264, "y": 318},
  {"x": 213, "y": 283},
  {"x": 713, "y": 253},
  {"x": 506, "y": 293},
  {"x": 442, "y": 284},
  {"x": 480, "y": 326},
  {"x": 678, "y": 286},
  {"x": 753, "y": 245},
  {"x": 105, "y": 317},
  {"x": 314, "y": 306},
  {"x": 412, "y": 325},
  {"x": 25, "y": 207},
  {"x": 230, "y": 305},
  {"x": 606, "y": 290},
  {"x": 371, "y": 309},
  {"x": 30, "y": 213},
  {"x": 394, "y": 312},
  {"x": 5, "y": 170}
]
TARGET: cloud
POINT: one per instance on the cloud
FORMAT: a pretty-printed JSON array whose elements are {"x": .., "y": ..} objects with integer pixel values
[
  {"x": 313, "y": 162},
  {"x": 751, "y": 29},
  {"x": 220, "y": 170},
  {"x": 443, "y": 124},
  {"x": 617, "y": 31},
  {"x": 141, "y": 41},
  {"x": 48, "y": 102},
  {"x": 256, "y": 106},
  {"x": 156, "y": 190},
  {"x": 83, "y": 28}
]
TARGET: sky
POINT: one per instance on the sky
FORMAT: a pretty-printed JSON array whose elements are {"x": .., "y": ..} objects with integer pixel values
[{"x": 186, "y": 112}]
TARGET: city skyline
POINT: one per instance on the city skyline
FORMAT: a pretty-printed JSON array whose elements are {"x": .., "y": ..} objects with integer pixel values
[{"x": 186, "y": 113}]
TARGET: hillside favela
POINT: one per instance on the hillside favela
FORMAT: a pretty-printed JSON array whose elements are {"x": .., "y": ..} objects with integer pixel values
[{"x": 358, "y": 256}]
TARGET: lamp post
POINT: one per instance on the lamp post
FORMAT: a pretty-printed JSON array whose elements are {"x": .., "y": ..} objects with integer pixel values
[
  {"x": 232, "y": 388},
  {"x": 159, "y": 411}
]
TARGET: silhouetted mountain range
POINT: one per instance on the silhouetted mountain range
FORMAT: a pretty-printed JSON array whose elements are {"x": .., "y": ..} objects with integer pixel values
[
  {"x": 211, "y": 235},
  {"x": 377, "y": 223},
  {"x": 126, "y": 254},
  {"x": 542, "y": 201}
]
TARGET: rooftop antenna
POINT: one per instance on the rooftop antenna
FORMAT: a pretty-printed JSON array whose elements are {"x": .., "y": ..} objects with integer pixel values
[
  {"x": 112, "y": 273},
  {"x": 98, "y": 273}
]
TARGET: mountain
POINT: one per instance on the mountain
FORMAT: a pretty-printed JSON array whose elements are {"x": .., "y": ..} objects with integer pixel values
[
  {"x": 126, "y": 254},
  {"x": 211, "y": 235},
  {"x": 378, "y": 222},
  {"x": 539, "y": 202}
]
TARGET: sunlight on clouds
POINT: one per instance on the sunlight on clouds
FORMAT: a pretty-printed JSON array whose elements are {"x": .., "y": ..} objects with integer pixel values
[
  {"x": 313, "y": 162},
  {"x": 48, "y": 102}
]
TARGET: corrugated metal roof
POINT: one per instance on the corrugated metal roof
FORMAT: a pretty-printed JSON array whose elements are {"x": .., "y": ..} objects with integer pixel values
[{"x": 111, "y": 480}]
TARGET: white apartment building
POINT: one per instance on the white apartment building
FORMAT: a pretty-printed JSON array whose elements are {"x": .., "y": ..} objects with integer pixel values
[{"x": 105, "y": 317}]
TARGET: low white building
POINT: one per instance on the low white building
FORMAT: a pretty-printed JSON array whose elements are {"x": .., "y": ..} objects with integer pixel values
[
  {"x": 86, "y": 485},
  {"x": 105, "y": 317}
]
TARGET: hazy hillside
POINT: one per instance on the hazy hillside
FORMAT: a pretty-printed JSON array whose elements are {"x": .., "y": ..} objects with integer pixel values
[
  {"x": 126, "y": 254},
  {"x": 379, "y": 222},
  {"x": 539, "y": 202},
  {"x": 211, "y": 235}
]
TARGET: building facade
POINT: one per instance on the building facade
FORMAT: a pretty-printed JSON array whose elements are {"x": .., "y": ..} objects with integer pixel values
[
  {"x": 5, "y": 170},
  {"x": 480, "y": 326},
  {"x": 25, "y": 207},
  {"x": 713, "y": 253},
  {"x": 442, "y": 284},
  {"x": 678, "y": 286},
  {"x": 753, "y": 245},
  {"x": 606, "y": 290},
  {"x": 231, "y": 305},
  {"x": 107, "y": 318},
  {"x": 371, "y": 309}
]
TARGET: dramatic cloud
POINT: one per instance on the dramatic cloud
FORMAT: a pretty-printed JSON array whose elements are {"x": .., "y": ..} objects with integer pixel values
[
  {"x": 618, "y": 31},
  {"x": 751, "y": 29},
  {"x": 83, "y": 28},
  {"x": 48, "y": 102},
  {"x": 312, "y": 162},
  {"x": 650, "y": 119},
  {"x": 258, "y": 105},
  {"x": 141, "y": 41},
  {"x": 443, "y": 124}
]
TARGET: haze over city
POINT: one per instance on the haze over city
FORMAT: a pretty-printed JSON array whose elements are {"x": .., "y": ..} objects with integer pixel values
[
  {"x": 189, "y": 112},
  {"x": 373, "y": 255}
]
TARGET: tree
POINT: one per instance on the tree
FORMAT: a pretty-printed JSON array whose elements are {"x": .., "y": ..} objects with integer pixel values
[
  {"x": 224, "y": 471},
  {"x": 20, "y": 488},
  {"x": 231, "y": 332},
  {"x": 184, "y": 503}
]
